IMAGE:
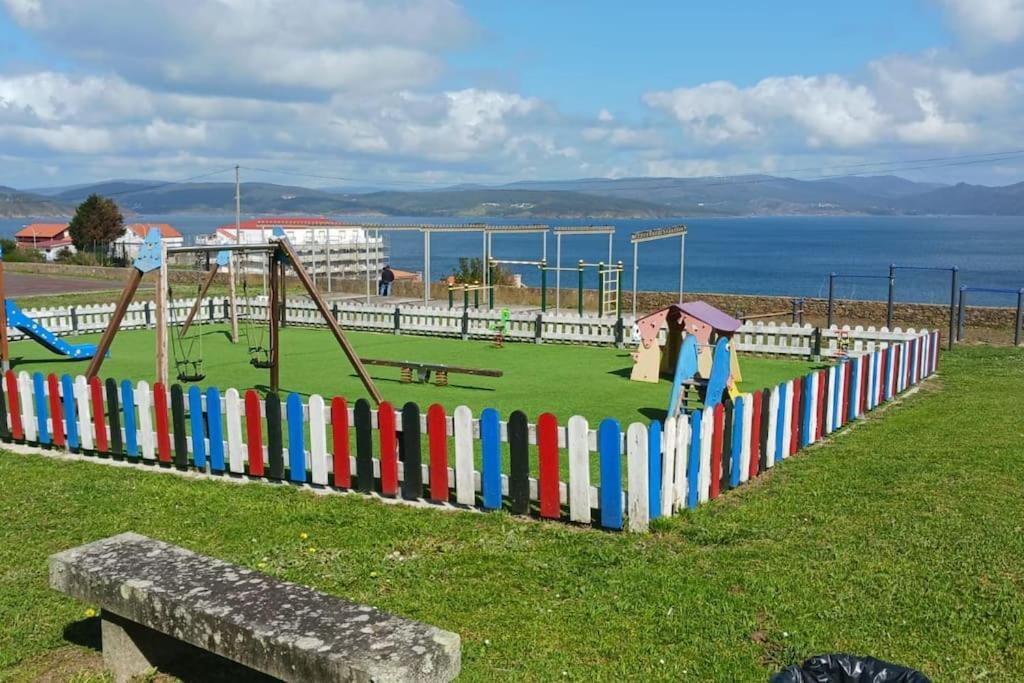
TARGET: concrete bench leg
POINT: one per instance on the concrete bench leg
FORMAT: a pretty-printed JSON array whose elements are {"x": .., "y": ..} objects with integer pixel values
[{"x": 131, "y": 650}]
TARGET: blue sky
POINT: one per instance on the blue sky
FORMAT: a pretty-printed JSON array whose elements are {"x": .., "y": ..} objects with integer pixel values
[{"x": 431, "y": 92}]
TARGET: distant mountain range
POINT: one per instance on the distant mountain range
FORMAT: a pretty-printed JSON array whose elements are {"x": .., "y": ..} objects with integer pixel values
[{"x": 599, "y": 198}]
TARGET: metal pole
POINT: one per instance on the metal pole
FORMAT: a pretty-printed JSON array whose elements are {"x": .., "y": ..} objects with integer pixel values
[
  {"x": 330, "y": 272},
  {"x": 682, "y": 260},
  {"x": 892, "y": 288},
  {"x": 600, "y": 290},
  {"x": 610, "y": 235},
  {"x": 1020, "y": 317},
  {"x": 961, "y": 315},
  {"x": 232, "y": 304},
  {"x": 558, "y": 271},
  {"x": 636, "y": 268},
  {"x": 952, "y": 307},
  {"x": 579, "y": 290},
  {"x": 483, "y": 262},
  {"x": 426, "y": 267},
  {"x": 544, "y": 287},
  {"x": 366, "y": 238},
  {"x": 831, "y": 284}
]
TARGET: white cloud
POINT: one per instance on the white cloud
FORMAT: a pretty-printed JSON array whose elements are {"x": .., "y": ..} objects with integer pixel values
[
  {"x": 238, "y": 45},
  {"x": 828, "y": 110},
  {"x": 999, "y": 21}
]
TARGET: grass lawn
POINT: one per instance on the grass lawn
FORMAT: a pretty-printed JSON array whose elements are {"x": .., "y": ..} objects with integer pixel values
[
  {"x": 901, "y": 538},
  {"x": 564, "y": 379}
]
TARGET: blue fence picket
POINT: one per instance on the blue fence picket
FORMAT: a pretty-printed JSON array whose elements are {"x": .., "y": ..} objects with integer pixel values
[
  {"x": 736, "y": 456},
  {"x": 693, "y": 464},
  {"x": 215, "y": 429},
  {"x": 42, "y": 408},
  {"x": 296, "y": 439},
  {"x": 195, "y": 415},
  {"x": 490, "y": 446},
  {"x": 780, "y": 426},
  {"x": 852, "y": 390},
  {"x": 810, "y": 399},
  {"x": 654, "y": 469},
  {"x": 609, "y": 441},
  {"x": 131, "y": 431},
  {"x": 67, "y": 388}
]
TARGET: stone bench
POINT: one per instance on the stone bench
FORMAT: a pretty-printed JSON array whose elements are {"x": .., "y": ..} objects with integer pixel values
[{"x": 162, "y": 603}]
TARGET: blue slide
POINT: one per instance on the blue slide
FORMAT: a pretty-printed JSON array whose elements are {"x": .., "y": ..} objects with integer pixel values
[
  {"x": 17, "y": 319},
  {"x": 686, "y": 368}
]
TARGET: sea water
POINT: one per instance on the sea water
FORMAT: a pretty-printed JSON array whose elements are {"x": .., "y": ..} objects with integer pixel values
[{"x": 788, "y": 256}]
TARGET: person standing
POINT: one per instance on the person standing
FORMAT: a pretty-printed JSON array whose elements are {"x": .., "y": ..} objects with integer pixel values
[{"x": 387, "y": 276}]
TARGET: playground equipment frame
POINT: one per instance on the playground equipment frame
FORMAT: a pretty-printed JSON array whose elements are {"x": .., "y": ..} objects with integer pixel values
[
  {"x": 569, "y": 231},
  {"x": 153, "y": 257},
  {"x": 955, "y": 279},
  {"x": 849, "y": 276},
  {"x": 658, "y": 234},
  {"x": 1018, "y": 318}
]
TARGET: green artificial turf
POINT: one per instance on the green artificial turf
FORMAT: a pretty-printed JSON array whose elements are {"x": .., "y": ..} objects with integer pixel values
[
  {"x": 562, "y": 379},
  {"x": 901, "y": 538}
]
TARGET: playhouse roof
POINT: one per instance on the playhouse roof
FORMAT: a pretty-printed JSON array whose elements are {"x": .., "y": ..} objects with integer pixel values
[{"x": 707, "y": 313}]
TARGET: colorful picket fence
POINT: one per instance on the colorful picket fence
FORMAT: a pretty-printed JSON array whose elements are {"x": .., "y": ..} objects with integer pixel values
[{"x": 459, "y": 458}]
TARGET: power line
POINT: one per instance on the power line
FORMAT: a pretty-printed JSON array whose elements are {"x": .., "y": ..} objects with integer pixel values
[
  {"x": 146, "y": 188},
  {"x": 299, "y": 174}
]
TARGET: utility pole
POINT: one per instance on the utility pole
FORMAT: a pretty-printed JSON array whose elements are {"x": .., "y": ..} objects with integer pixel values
[{"x": 232, "y": 304}]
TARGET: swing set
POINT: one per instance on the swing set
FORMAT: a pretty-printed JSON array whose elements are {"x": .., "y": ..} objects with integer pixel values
[{"x": 262, "y": 342}]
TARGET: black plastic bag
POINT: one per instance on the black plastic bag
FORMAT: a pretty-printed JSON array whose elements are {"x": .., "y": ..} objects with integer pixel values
[{"x": 839, "y": 668}]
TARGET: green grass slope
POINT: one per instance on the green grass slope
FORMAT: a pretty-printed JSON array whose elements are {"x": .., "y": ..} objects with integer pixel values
[{"x": 901, "y": 538}]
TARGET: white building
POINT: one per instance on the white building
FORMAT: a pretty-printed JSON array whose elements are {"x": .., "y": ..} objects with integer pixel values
[
  {"x": 325, "y": 246},
  {"x": 128, "y": 244}
]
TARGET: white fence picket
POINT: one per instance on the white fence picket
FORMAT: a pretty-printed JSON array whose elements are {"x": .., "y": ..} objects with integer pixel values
[
  {"x": 465, "y": 490},
  {"x": 28, "y": 409},
  {"x": 773, "y": 427},
  {"x": 233, "y": 416},
  {"x": 637, "y": 476},
  {"x": 144, "y": 402},
  {"x": 579, "y": 469},
  {"x": 668, "y": 464},
  {"x": 84, "y": 413},
  {"x": 682, "y": 463},
  {"x": 317, "y": 440}
]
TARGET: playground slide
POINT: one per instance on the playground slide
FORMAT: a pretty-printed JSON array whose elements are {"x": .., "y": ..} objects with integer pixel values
[
  {"x": 17, "y": 319},
  {"x": 720, "y": 370},
  {"x": 686, "y": 368}
]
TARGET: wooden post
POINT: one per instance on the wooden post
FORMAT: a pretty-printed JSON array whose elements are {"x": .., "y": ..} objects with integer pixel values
[
  {"x": 5, "y": 349},
  {"x": 300, "y": 272},
  {"x": 115, "y": 322},
  {"x": 162, "y": 318},
  {"x": 199, "y": 299},
  {"x": 273, "y": 319},
  {"x": 283, "y": 293}
]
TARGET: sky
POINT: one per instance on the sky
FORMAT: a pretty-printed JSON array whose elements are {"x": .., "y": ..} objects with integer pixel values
[{"x": 402, "y": 94}]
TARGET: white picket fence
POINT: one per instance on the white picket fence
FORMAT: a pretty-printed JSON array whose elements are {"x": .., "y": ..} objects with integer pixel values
[{"x": 785, "y": 340}]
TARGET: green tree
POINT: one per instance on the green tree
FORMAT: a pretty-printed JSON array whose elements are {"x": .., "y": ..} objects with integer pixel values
[
  {"x": 471, "y": 271},
  {"x": 97, "y": 223}
]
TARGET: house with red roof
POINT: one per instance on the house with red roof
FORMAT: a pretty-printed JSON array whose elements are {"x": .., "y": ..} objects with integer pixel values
[
  {"x": 128, "y": 244},
  {"x": 47, "y": 238}
]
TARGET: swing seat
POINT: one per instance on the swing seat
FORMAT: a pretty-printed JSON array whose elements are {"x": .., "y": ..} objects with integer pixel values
[
  {"x": 260, "y": 358},
  {"x": 191, "y": 371}
]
